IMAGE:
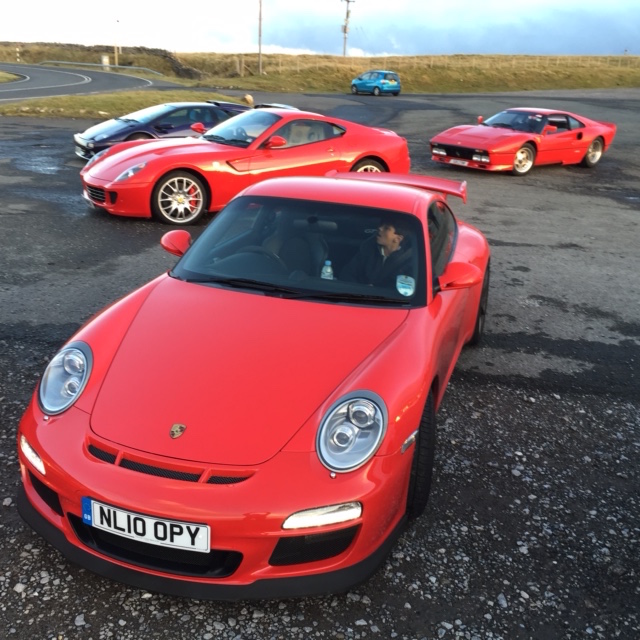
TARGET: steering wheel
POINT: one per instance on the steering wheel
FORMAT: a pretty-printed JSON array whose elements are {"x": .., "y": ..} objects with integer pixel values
[{"x": 265, "y": 252}]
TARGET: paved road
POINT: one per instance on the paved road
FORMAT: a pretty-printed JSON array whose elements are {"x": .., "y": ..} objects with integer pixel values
[
  {"x": 37, "y": 81},
  {"x": 532, "y": 530}
]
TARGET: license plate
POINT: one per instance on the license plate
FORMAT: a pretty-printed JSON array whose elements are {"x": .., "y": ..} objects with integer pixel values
[
  {"x": 135, "y": 526},
  {"x": 462, "y": 163}
]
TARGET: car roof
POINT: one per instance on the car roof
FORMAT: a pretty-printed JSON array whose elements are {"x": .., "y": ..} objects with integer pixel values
[
  {"x": 195, "y": 103},
  {"x": 534, "y": 110},
  {"x": 365, "y": 192},
  {"x": 293, "y": 113}
]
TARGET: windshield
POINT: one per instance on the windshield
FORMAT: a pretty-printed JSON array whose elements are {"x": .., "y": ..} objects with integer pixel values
[
  {"x": 243, "y": 129},
  {"x": 279, "y": 246},
  {"x": 148, "y": 114},
  {"x": 527, "y": 121}
]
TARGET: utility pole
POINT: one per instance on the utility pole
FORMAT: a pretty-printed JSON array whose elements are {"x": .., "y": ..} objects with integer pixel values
[
  {"x": 115, "y": 48},
  {"x": 345, "y": 28},
  {"x": 260, "y": 38}
]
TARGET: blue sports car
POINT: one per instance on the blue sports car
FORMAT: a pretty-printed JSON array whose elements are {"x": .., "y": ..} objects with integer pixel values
[
  {"x": 171, "y": 120},
  {"x": 376, "y": 82}
]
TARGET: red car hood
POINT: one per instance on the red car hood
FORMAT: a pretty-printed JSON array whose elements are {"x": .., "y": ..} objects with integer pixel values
[
  {"x": 126, "y": 155},
  {"x": 242, "y": 371},
  {"x": 477, "y": 136}
]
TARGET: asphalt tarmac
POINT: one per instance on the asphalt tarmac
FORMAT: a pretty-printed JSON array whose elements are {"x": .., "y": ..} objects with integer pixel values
[{"x": 532, "y": 529}]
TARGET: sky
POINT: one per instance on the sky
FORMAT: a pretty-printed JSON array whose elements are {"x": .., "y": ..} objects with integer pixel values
[{"x": 375, "y": 27}]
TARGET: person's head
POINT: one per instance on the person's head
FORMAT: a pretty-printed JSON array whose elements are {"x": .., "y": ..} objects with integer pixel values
[{"x": 391, "y": 233}]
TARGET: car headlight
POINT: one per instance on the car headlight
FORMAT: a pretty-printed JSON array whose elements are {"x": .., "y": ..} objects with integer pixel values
[
  {"x": 94, "y": 158},
  {"x": 131, "y": 171},
  {"x": 352, "y": 431},
  {"x": 65, "y": 378}
]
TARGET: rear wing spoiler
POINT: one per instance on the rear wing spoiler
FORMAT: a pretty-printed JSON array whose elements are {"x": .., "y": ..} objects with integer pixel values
[{"x": 427, "y": 183}]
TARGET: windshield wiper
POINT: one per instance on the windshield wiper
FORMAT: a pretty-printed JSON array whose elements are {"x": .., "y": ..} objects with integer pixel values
[
  {"x": 244, "y": 283},
  {"x": 351, "y": 297}
]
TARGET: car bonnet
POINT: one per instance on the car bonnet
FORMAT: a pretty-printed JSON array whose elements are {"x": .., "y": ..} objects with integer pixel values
[
  {"x": 475, "y": 135},
  {"x": 241, "y": 371},
  {"x": 127, "y": 155},
  {"x": 108, "y": 129}
]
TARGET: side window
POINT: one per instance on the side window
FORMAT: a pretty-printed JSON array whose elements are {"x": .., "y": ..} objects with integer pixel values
[
  {"x": 177, "y": 117},
  {"x": 575, "y": 124},
  {"x": 559, "y": 121},
  {"x": 306, "y": 131},
  {"x": 209, "y": 117},
  {"x": 442, "y": 234}
]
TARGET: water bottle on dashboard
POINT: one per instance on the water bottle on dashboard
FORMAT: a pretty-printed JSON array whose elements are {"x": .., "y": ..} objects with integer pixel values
[{"x": 327, "y": 270}]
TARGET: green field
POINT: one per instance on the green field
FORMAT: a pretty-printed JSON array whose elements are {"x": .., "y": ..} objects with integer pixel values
[{"x": 308, "y": 73}]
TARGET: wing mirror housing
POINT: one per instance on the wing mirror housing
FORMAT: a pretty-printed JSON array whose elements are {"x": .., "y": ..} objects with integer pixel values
[
  {"x": 198, "y": 127},
  {"x": 459, "y": 275},
  {"x": 549, "y": 128},
  {"x": 480, "y": 119},
  {"x": 176, "y": 242},
  {"x": 275, "y": 141}
]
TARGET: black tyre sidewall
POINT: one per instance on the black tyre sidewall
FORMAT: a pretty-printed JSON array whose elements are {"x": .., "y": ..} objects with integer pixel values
[{"x": 422, "y": 463}]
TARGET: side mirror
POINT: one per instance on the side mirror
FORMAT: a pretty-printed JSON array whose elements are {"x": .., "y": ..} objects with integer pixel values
[
  {"x": 459, "y": 275},
  {"x": 480, "y": 119},
  {"x": 176, "y": 242},
  {"x": 198, "y": 127},
  {"x": 549, "y": 128},
  {"x": 274, "y": 142}
]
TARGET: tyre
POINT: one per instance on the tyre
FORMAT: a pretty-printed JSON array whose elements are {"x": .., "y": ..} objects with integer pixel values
[
  {"x": 481, "y": 316},
  {"x": 396, "y": 93},
  {"x": 354, "y": 89},
  {"x": 422, "y": 463},
  {"x": 139, "y": 136},
  {"x": 179, "y": 198},
  {"x": 368, "y": 165},
  {"x": 523, "y": 162},
  {"x": 376, "y": 91},
  {"x": 594, "y": 153}
]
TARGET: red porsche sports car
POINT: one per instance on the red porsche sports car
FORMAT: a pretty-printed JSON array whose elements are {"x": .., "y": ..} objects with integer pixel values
[
  {"x": 178, "y": 180},
  {"x": 280, "y": 445},
  {"x": 517, "y": 139}
]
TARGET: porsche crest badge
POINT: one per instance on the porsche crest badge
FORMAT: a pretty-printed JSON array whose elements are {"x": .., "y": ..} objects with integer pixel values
[{"x": 177, "y": 430}]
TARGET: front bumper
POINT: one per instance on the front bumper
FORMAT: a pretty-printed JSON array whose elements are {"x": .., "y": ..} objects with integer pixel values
[
  {"x": 251, "y": 556},
  {"x": 336, "y": 581},
  {"x": 118, "y": 199}
]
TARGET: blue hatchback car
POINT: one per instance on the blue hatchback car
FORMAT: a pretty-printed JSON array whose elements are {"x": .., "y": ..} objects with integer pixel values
[{"x": 376, "y": 82}]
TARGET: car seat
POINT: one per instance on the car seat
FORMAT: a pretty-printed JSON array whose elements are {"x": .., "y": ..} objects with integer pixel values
[{"x": 301, "y": 250}]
